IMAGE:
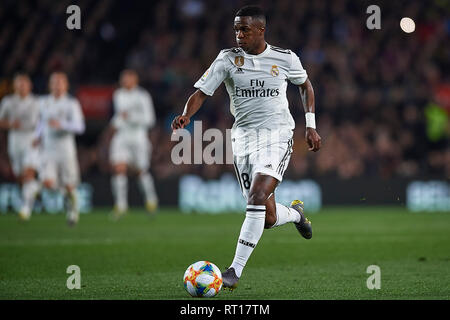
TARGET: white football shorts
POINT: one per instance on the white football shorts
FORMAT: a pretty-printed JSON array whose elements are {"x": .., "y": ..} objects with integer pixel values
[
  {"x": 23, "y": 158},
  {"x": 271, "y": 160},
  {"x": 62, "y": 170},
  {"x": 134, "y": 151}
]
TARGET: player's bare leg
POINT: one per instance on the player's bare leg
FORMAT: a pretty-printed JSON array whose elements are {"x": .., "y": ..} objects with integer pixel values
[
  {"x": 30, "y": 189},
  {"x": 148, "y": 189},
  {"x": 119, "y": 184}
]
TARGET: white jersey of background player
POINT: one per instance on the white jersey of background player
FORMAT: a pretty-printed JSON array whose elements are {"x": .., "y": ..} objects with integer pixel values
[
  {"x": 19, "y": 114},
  {"x": 256, "y": 76},
  {"x": 61, "y": 118},
  {"x": 130, "y": 146}
]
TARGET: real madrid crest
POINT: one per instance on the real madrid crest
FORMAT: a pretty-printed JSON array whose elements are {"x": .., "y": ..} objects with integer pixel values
[
  {"x": 239, "y": 61},
  {"x": 274, "y": 71}
]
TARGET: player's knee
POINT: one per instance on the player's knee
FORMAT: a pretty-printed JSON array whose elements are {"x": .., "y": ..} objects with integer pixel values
[
  {"x": 49, "y": 184},
  {"x": 28, "y": 175},
  {"x": 120, "y": 168},
  {"x": 257, "y": 198},
  {"x": 140, "y": 173}
]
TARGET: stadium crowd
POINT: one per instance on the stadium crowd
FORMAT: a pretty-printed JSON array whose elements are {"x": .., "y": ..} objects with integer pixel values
[{"x": 382, "y": 96}]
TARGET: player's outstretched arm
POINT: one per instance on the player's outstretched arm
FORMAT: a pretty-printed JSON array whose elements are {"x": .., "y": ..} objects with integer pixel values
[
  {"x": 312, "y": 137},
  {"x": 8, "y": 125},
  {"x": 194, "y": 103}
]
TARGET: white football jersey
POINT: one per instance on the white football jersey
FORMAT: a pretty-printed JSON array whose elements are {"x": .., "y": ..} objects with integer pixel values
[
  {"x": 257, "y": 87},
  {"x": 26, "y": 111},
  {"x": 67, "y": 110},
  {"x": 138, "y": 105}
]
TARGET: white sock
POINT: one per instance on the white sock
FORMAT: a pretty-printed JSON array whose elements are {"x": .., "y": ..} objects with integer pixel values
[
  {"x": 285, "y": 215},
  {"x": 72, "y": 211},
  {"x": 148, "y": 187},
  {"x": 251, "y": 232},
  {"x": 119, "y": 185},
  {"x": 29, "y": 191}
]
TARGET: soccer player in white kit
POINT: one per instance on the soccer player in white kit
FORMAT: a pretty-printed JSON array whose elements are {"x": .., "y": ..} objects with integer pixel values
[
  {"x": 130, "y": 146},
  {"x": 19, "y": 115},
  {"x": 256, "y": 75},
  {"x": 61, "y": 118}
]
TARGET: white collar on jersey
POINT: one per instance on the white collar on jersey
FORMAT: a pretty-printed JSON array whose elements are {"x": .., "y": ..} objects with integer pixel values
[
  {"x": 61, "y": 97},
  {"x": 262, "y": 54},
  {"x": 26, "y": 98},
  {"x": 134, "y": 89}
]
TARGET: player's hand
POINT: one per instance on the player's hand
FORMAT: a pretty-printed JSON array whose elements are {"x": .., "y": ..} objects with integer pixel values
[
  {"x": 180, "y": 122},
  {"x": 55, "y": 124},
  {"x": 112, "y": 130},
  {"x": 36, "y": 142},
  {"x": 313, "y": 139},
  {"x": 124, "y": 115}
]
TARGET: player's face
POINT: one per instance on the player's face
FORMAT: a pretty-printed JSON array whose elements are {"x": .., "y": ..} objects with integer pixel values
[
  {"x": 248, "y": 33},
  {"x": 58, "y": 84},
  {"x": 22, "y": 86},
  {"x": 128, "y": 80}
]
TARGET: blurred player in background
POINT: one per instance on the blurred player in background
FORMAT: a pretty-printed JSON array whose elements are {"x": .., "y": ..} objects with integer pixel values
[
  {"x": 130, "y": 146},
  {"x": 19, "y": 114},
  {"x": 61, "y": 118},
  {"x": 256, "y": 75}
]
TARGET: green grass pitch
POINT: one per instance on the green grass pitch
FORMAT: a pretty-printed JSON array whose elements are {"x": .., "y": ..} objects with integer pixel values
[{"x": 140, "y": 257}]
